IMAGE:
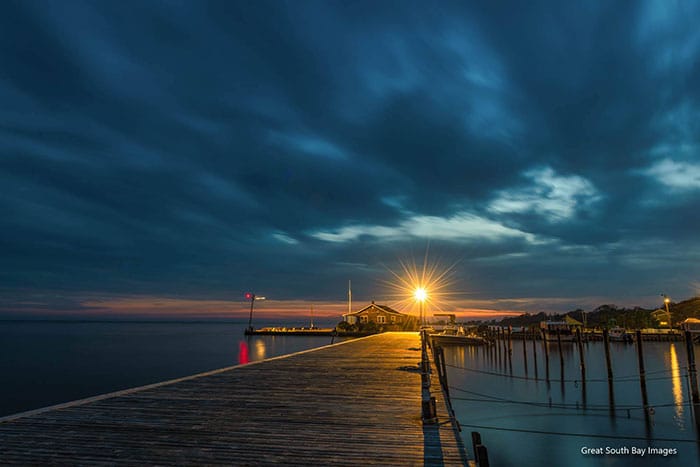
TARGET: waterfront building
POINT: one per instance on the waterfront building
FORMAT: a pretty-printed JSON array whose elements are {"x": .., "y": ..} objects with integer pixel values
[{"x": 381, "y": 315}]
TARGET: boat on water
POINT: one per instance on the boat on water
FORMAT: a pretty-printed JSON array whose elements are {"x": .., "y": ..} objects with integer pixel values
[
  {"x": 558, "y": 330},
  {"x": 457, "y": 339},
  {"x": 456, "y": 335},
  {"x": 619, "y": 334}
]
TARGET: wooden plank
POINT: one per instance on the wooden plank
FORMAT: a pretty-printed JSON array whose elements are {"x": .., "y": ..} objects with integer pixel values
[{"x": 344, "y": 404}]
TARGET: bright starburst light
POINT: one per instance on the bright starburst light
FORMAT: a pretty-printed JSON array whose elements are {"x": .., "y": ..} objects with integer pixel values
[{"x": 428, "y": 284}]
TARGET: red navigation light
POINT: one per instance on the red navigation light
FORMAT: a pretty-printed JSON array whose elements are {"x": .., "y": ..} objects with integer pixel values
[{"x": 248, "y": 295}]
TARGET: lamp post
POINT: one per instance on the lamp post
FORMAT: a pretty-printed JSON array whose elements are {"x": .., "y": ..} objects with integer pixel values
[
  {"x": 421, "y": 295},
  {"x": 667, "y": 300},
  {"x": 251, "y": 296}
]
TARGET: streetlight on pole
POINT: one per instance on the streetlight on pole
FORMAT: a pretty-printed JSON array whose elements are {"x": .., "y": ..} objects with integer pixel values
[
  {"x": 421, "y": 295},
  {"x": 667, "y": 300},
  {"x": 251, "y": 296}
]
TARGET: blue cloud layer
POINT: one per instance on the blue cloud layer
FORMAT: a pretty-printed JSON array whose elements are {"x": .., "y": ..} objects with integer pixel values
[{"x": 204, "y": 148}]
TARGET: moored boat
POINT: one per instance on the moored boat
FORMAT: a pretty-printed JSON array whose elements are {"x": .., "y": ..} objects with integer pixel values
[
  {"x": 557, "y": 330},
  {"x": 456, "y": 339},
  {"x": 619, "y": 334}
]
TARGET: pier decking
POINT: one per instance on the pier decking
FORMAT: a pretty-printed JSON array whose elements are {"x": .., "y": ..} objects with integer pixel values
[{"x": 351, "y": 403}]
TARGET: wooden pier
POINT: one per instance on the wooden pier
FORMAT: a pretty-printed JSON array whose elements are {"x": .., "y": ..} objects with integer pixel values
[{"x": 356, "y": 402}]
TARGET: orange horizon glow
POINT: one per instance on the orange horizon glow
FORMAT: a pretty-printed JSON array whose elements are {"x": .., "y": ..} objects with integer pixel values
[
  {"x": 95, "y": 305},
  {"x": 157, "y": 307}
]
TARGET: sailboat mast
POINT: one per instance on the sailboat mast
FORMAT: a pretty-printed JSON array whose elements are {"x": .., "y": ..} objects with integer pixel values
[{"x": 349, "y": 296}]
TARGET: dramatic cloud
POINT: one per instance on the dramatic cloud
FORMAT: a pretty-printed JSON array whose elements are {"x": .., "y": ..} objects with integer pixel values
[{"x": 196, "y": 151}]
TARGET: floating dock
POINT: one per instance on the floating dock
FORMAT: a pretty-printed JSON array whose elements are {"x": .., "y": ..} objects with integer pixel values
[{"x": 355, "y": 402}]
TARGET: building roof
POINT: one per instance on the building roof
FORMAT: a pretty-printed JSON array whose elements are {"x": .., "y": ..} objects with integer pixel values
[{"x": 383, "y": 308}]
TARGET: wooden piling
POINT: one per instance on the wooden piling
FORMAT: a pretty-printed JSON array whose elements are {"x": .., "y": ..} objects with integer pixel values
[
  {"x": 692, "y": 376},
  {"x": 525, "y": 354},
  {"x": 561, "y": 354},
  {"x": 692, "y": 372},
  {"x": 608, "y": 363},
  {"x": 534, "y": 351},
  {"x": 510, "y": 341},
  {"x": 546, "y": 354},
  {"x": 498, "y": 347},
  {"x": 480, "y": 452},
  {"x": 482, "y": 455},
  {"x": 476, "y": 441},
  {"x": 510, "y": 351},
  {"x": 561, "y": 363},
  {"x": 582, "y": 364},
  {"x": 642, "y": 373}
]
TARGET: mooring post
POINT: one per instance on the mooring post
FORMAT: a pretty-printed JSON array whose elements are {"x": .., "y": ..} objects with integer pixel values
[
  {"x": 503, "y": 337},
  {"x": 561, "y": 363},
  {"x": 546, "y": 354},
  {"x": 534, "y": 350},
  {"x": 476, "y": 441},
  {"x": 583, "y": 366},
  {"x": 510, "y": 341},
  {"x": 692, "y": 375},
  {"x": 561, "y": 354},
  {"x": 580, "y": 355},
  {"x": 525, "y": 353},
  {"x": 642, "y": 372},
  {"x": 692, "y": 371},
  {"x": 481, "y": 455},
  {"x": 510, "y": 351},
  {"x": 608, "y": 363}
]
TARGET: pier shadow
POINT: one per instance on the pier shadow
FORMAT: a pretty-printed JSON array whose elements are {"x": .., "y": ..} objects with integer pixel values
[{"x": 432, "y": 446}]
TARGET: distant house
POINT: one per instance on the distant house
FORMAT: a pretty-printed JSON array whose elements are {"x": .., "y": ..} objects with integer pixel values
[
  {"x": 381, "y": 315},
  {"x": 692, "y": 325},
  {"x": 662, "y": 317}
]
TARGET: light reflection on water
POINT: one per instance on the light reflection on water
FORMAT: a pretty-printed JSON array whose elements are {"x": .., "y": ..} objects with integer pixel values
[
  {"x": 494, "y": 394},
  {"x": 677, "y": 386}
]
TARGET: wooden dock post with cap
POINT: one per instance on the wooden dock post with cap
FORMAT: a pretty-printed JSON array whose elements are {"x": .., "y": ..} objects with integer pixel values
[{"x": 354, "y": 402}]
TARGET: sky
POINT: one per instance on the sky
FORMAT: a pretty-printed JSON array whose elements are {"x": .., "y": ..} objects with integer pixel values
[{"x": 162, "y": 158}]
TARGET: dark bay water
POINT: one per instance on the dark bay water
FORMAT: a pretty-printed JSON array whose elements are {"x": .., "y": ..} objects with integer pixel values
[
  {"x": 524, "y": 420},
  {"x": 45, "y": 363}
]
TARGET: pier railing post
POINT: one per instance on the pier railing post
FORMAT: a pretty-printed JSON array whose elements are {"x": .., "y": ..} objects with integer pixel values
[{"x": 428, "y": 403}]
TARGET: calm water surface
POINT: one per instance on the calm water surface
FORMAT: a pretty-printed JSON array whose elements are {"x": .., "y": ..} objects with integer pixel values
[
  {"x": 526, "y": 420},
  {"x": 45, "y": 363},
  {"x": 523, "y": 418}
]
